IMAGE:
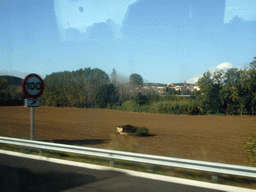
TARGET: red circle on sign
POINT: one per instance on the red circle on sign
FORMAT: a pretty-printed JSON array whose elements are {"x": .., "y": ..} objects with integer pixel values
[{"x": 24, "y": 88}]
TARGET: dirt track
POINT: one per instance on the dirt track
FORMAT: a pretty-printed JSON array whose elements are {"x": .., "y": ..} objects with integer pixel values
[{"x": 210, "y": 138}]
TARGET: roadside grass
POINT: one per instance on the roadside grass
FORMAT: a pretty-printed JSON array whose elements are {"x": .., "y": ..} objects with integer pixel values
[{"x": 142, "y": 167}]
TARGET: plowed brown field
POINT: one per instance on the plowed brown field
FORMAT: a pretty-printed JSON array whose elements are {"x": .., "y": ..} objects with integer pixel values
[{"x": 210, "y": 138}]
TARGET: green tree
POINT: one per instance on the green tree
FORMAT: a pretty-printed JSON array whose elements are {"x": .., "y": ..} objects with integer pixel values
[
  {"x": 245, "y": 91},
  {"x": 170, "y": 91},
  {"x": 205, "y": 83},
  {"x": 106, "y": 95},
  {"x": 153, "y": 96},
  {"x": 4, "y": 93},
  {"x": 253, "y": 63},
  {"x": 210, "y": 85},
  {"x": 75, "y": 89},
  {"x": 136, "y": 80},
  {"x": 141, "y": 99},
  {"x": 218, "y": 80},
  {"x": 230, "y": 99},
  {"x": 251, "y": 86},
  {"x": 232, "y": 77},
  {"x": 113, "y": 76},
  {"x": 3, "y": 84}
]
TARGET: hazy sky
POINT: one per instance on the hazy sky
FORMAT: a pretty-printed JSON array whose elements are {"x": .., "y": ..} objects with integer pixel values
[{"x": 162, "y": 40}]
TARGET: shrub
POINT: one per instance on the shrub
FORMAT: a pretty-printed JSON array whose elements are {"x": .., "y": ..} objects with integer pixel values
[
  {"x": 129, "y": 106},
  {"x": 250, "y": 148},
  {"x": 141, "y": 99},
  {"x": 141, "y": 131},
  {"x": 164, "y": 107},
  {"x": 135, "y": 131}
]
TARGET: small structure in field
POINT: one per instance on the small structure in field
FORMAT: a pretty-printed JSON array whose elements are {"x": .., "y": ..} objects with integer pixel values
[{"x": 125, "y": 129}]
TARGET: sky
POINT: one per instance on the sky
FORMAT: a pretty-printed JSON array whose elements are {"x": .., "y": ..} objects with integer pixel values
[{"x": 165, "y": 41}]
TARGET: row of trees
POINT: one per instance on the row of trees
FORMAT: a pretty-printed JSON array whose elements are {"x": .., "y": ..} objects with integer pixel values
[
  {"x": 228, "y": 92},
  {"x": 231, "y": 92},
  {"x": 75, "y": 89},
  {"x": 88, "y": 88},
  {"x": 10, "y": 95},
  {"x": 82, "y": 88}
]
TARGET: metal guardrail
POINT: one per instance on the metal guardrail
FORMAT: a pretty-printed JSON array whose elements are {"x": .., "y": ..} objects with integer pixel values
[{"x": 137, "y": 157}]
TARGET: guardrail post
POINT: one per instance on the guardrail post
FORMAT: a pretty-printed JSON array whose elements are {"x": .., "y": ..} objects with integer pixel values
[
  {"x": 40, "y": 152},
  {"x": 215, "y": 178},
  {"x": 112, "y": 162}
]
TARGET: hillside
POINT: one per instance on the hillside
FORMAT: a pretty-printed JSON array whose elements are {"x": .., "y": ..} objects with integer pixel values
[
  {"x": 12, "y": 80},
  {"x": 154, "y": 84},
  {"x": 163, "y": 85},
  {"x": 181, "y": 84}
]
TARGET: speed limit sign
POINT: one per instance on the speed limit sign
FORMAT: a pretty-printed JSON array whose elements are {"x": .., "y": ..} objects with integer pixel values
[{"x": 33, "y": 86}]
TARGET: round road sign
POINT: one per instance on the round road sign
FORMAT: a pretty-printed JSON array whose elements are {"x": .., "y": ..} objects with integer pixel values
[{"x": 33, "y": 86}]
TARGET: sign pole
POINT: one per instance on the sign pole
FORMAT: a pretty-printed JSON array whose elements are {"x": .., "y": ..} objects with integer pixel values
[
  {"x": 33, "y": 87},
  {"x": 32, "y": 124}
]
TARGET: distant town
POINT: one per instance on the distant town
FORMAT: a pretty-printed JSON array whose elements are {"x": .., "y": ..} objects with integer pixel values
[{"x": 162, "y": 89}]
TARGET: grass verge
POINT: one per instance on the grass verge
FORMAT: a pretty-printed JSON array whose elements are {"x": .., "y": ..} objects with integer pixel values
[{"x": 142, "y": 167}]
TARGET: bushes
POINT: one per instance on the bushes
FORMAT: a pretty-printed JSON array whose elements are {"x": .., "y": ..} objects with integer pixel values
[
  {"x": 141, "y": 131},
  {"x": 134, "y": 130},
  {"x": 172, "y": 107},
  {"x": 129, "y": 106},
  {"x": 166, "y": 107},
  {"x": 141, "y": 99}
]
